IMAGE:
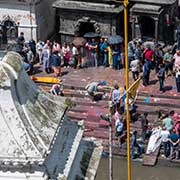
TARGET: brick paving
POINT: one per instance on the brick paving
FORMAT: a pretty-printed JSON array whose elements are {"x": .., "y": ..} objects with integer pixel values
[{"x": 150, "y": 99}]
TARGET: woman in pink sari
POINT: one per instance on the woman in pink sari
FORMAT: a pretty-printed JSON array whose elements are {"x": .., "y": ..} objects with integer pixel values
[{"x": 66, "y": 54}]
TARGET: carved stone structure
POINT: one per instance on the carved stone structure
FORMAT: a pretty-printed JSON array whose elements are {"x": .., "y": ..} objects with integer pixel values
[
  {"x": 80, "y": 17},
  {"x": 37, "y": 141},
  {"x": 149, "y": 19},
  {"x": 28, "y": 16},
  {"x": 9, "y": 29},
  {"x": 154, "y": 19}
]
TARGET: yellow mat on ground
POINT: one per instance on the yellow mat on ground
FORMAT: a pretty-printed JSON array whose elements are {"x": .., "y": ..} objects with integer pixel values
[{"x": 46, "y": 79}]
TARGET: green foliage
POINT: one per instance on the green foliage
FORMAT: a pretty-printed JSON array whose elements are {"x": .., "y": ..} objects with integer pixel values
[{"x": 69, "y": 103}]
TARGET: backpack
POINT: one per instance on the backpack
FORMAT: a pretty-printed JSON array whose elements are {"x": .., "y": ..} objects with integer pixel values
[
  {"x": 160, "y": 73},
  {"x": 119, "y": 126}
]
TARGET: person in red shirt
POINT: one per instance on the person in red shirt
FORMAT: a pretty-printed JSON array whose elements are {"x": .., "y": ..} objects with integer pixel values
[{"x": 149, "y": 55}]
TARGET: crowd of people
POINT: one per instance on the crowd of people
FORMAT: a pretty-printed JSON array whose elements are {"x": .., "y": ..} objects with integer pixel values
[
  {"x": 168, "y": 128},
  {"x": 98, "y": 52},
  {"x": 170, "y": 134},
  {"x": 53, "y": 55},
  {"x": 164, "y": 61},
  {"x": 169, "y": 123}
]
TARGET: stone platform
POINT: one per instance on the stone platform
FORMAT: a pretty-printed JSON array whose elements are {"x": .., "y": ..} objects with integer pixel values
[
  {"x": 149, "y": 99},
  {"x": 37, "y": 139}
]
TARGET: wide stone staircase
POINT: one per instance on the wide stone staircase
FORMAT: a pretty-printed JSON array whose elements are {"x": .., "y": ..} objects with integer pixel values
[
  {"x": 85, "y": 109},
  {"x": 149, "y": 99}
]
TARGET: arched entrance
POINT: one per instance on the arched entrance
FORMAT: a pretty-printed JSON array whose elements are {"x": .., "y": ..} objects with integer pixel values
[
  {"x": 9, "y": 30},
  {"x": 86, "y": 24},
  {"x": 85, "y": 27},
  {"x": 147, "y": 26}
]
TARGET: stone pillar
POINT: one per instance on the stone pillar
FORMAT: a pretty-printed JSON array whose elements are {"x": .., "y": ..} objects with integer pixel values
[
  {"x": 133, "y": 27},
  {"x": 156, "y": 29},
  {"x": 137, "y": 29},
  {"x": 112, "y": 25}
]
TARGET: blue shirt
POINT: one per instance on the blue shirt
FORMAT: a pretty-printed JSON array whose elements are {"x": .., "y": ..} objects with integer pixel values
[
  {"x": 104, "y": 46},
  {"x": 56, "y": 60},
  {"x": 116, "y": 55},
  {"x": 92, "y": 49},
  {"x": 174, "y": 137},
  {"x": 119, "y": 125},
  {"x": 130, "y": 51}
]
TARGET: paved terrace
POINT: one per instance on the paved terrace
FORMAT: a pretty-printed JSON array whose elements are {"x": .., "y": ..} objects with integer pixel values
[
  {"x": 149, "y": 99},
  {"x": 36, "y": 138}
]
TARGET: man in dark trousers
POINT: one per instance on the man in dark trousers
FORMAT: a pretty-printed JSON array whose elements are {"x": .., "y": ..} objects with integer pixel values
[
  {"x": 161, "y": 77},
  {"x": 178, "y": 37},
  {"x": 135, "y": 145},
  {"x": 146, "y": 72},
  {"x": 144, "y": 125}
]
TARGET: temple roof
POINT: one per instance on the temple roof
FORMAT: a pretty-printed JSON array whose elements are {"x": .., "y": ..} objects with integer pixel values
[
  {"x": 29, "y": 117},
  {"x": 37, "y": 140},
  {"x": 146, "y": 8},
  {"x": 87, "y": 6},
  {"x": 160, "y": 2},
  {"x": 109, "y": 6}
]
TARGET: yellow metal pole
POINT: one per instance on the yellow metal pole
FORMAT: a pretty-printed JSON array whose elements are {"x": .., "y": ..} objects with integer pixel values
[{"x": 127, "y": 87}]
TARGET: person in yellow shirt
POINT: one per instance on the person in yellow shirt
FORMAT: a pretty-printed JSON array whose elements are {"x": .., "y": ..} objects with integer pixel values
[{"x": 110, "y": 60}]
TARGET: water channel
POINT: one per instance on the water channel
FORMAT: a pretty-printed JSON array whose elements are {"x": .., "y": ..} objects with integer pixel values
[{"x": 163, "y": 170}]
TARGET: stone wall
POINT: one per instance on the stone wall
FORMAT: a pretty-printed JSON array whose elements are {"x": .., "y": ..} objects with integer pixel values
[
  {"x": 36, "y": 20},
  {"x": 20, "y": 14},
  {"x": 45, "y": 18},
  {"x": 69, "y": 20}
]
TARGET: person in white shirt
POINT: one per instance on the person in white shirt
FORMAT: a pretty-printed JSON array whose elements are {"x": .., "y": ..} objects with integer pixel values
[
  {"x": 135, "y": 68},
  {"x": 166, "y": 146},
  {"x": 39, "y": 48},
  {"x": 75, "y": 56},
  {"x": 177, "y": 75},
  {"x": 118, "y": 126},
  {"x": 115, "y": 97},
  {"x": 131, "y": 106}
]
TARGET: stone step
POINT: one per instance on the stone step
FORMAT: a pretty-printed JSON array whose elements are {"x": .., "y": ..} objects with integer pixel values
[
  {"x": 86, "y": 109},
  {"x": 97, "y": 133},
  {"x": 158, "y": 95},
  {"x": 75, "y": 115},
  {"x": 90, "y": 125},
  {"x": 141, "y": 108},
  {"x": 159, "y": 102},
  {"x": 76, "y": 86},
  {"x": 88, "y": 102},
  {"x": 73, "y": 92},
  {"x": 84, "y": 116}
]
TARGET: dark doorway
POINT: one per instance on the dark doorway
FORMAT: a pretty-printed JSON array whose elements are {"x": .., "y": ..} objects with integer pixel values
[
  {"x": 147, "y": 25},
  {"x": 85, "y": 27}
]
